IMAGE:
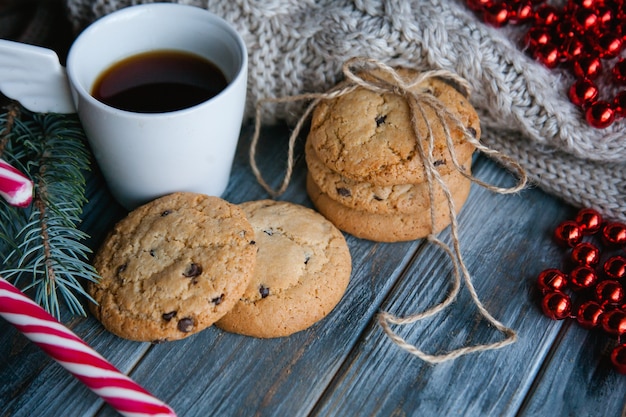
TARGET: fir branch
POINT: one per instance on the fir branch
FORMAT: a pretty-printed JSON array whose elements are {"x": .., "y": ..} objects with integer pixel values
[{"x": 42, "y": 245}]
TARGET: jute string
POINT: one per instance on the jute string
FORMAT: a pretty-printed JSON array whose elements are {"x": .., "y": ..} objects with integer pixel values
[{"x": 359, "y": 73}]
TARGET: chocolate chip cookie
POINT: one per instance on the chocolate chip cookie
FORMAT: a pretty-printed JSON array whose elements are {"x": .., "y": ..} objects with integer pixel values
[
  {"x": 368, "y": 137},
  {"x": 173, "y": 267},
  {"x": 303, "y": 269},
  {"x": 386, "y": 227}
]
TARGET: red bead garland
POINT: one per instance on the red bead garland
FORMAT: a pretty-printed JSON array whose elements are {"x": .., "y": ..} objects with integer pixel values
[
  {"x": 593, "y": 290},
  {"x": 585, "y": 36}
]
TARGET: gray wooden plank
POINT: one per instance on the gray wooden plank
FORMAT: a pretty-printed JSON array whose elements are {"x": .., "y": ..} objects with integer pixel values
[
  {"x": 505, "y": 243},
  {"x": 578, "y": 379}
]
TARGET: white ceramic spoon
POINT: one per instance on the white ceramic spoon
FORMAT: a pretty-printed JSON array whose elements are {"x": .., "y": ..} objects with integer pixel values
[{"x": 34, "y": 76}]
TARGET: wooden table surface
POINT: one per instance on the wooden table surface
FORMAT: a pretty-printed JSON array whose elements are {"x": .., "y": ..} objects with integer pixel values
[{"x": 345, "y": 365}]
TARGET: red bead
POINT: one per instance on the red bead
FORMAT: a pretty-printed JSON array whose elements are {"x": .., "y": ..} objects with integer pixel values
[
  {"x": 609, "y": 292},
  {"x": 600, "y": 114},
  {"x": 588, "y": 314},
  {"x": 609, "y": 46},
  {"x": 584, "y": 20},
  {"x": 520, "y": 11},
  {"x": 568, "y": 233},
  {"x": 588, "y": 67},
  {"x": 589, "y": 221},
  {"x": 546, "y": 15},
  {"x": 556, "y": 305},
  {"x": 496, "y": 14},
  {"x": 614, "y": 234},
  {"x": 551, "y": 280},
  {"x": 618, "y": 358},
  {"x": 585, "y": 253},
  {"x": 583, "y": 92},
  {"x": 619, "y": 104},
  {"x": 587, "y": 4},
  {"x": 583, "y": 277},
  {"x": 619, "y": 71},
  {"x": 614, "y": 322},
  {"x": 615, "y": 267},
  {"x": 572, "y": 49},
  {"x": 606, "y": 15},
  {"x": 548, "y": 54},
  {"x": 537, "y": 35},
  {"x": 565, "y": 29}
]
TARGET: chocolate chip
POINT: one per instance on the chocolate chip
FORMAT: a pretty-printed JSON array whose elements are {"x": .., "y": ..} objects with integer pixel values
[
  {"x": 165, "y": 213},
  {"x": 458, "y": 87},
  {"x": 380, "y": 120},
  {"x": 152, "y": 253},
  {"x": 253, "y": 242},
  {"x": 185, "y": 325},
  {"x": 122, "y": 268},
  {"x": 268, "y": 232},
  {"x": 169, "y": 316},
  {"x": 218, "y": 300},
  {"x": 264, "y": 291},
  {"x": 193, "y": 270},
  {"x": 377, "y": 198},
  {"x": 471, "y": 131},
  {"x": 307, "y": 258},
  {"x": 439, "y": 162},
  {"x": 344, "y": 192}
]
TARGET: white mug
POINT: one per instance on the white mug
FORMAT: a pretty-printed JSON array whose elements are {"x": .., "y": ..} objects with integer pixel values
[{"x": 146, "y": 155}]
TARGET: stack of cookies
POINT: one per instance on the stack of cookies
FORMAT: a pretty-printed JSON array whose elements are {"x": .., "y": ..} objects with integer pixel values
[
  {"x": 183, "y": 262},
  {"x": 365, "y": 173}
]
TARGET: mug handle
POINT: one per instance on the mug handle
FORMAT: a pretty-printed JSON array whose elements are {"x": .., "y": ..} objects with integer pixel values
[{"x": 34, "y": 76}]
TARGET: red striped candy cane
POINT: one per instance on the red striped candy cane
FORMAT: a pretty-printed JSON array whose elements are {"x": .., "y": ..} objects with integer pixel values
[
  {"x": 72, "y": 353},
  {"x": 15, "y": 187}
]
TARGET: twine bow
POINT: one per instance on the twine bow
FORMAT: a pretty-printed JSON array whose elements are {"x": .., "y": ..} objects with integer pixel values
[{"x": 363, "y": 73}]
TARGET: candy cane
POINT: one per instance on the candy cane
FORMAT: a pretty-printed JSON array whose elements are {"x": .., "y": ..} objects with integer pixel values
[
  {"x": 72, "y": 353},
  {"x": 16, "y": 188}
]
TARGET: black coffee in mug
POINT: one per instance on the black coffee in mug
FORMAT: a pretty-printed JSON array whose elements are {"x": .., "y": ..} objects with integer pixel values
[{"x": 158, "y": 82}]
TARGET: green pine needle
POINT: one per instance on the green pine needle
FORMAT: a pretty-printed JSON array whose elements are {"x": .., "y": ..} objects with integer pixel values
[{"x": 41, "y": 245}]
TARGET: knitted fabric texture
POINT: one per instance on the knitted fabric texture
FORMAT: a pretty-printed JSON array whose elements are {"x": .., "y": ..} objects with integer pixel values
[{"x": 298, "y": 46}]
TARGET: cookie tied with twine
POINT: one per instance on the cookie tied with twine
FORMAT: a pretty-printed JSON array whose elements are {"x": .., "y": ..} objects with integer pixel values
[{"x": 427, "y": 115}]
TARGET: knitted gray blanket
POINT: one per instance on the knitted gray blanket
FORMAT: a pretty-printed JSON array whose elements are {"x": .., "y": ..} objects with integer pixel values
[{"x": 298, "y": 46}]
